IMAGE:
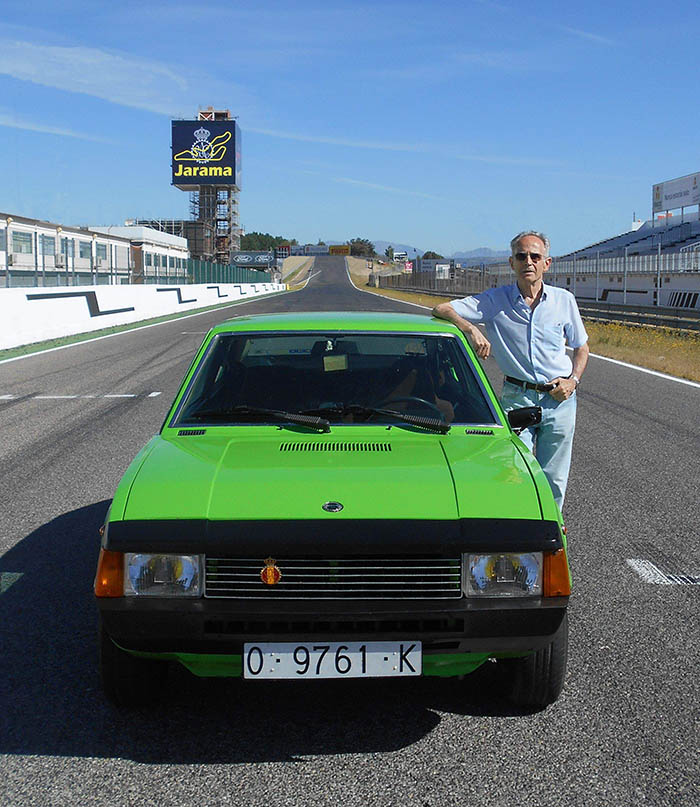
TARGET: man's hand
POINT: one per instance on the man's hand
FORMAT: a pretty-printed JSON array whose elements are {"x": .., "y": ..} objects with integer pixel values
[
  {"x": 481, "y": 345},
  {"x": 563, "y": 388}
]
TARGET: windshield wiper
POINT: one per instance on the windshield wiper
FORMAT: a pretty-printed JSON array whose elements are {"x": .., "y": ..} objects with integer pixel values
[
  {"x": 256, "y": 411},
  {"x": 433, "y": 424}
]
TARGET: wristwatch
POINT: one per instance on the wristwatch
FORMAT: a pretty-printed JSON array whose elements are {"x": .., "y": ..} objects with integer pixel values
[{"x": 576, "y": 379}]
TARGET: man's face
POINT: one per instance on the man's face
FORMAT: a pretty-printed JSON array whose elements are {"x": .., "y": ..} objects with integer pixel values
[{"x": 528, "y": 260}]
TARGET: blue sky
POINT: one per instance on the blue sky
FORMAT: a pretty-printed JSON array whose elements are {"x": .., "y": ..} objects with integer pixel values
[{"x": 448, "y": 126}]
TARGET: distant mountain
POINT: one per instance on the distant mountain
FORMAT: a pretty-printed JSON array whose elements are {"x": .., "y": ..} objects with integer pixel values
[
  {"x": 482, "y": 252},
  {"x": 479, "y": 255}
]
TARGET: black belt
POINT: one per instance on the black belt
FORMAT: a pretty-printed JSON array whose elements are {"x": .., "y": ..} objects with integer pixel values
[{"x": 529, "y": 384}]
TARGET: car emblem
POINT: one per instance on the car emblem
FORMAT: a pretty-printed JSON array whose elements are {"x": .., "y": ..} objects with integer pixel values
[
  {"x": 270, "y": 574},
  {"x": 332, "y": 507}
]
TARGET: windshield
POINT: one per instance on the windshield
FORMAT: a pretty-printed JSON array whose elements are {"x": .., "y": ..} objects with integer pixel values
[{"x": 345, "y": 379}]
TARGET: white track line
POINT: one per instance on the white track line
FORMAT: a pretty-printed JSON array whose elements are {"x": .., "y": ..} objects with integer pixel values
[
  {"x": 650, "y": 573},
  {"x": 646, "y": 370}
]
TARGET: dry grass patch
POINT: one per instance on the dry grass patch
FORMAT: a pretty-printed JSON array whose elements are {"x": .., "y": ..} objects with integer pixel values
[
  {"x": 664, "y": 349},
  {"x": 428, "y": 300}
]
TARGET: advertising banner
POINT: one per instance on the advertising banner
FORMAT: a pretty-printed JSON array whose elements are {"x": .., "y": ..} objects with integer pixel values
[
  {"x": 675, "y": 193},
  {"x": 254, "y": 260},
  {"x": 339, "y": 249},
  {"x": 205, "y": 153}
]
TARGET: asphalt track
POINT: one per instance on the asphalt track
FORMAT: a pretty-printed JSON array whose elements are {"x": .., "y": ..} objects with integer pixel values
[{"x": 624, "y": 732}]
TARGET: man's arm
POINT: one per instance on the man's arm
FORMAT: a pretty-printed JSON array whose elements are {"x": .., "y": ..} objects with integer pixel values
[
  {"x": 476, "y": 338},
  {"x": 564, "y": 387}
]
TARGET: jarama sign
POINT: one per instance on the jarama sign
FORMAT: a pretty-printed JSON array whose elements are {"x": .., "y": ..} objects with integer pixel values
[{"x": 205, "y": 153}]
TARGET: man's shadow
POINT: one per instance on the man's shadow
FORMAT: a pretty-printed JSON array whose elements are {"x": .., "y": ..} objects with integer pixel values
[{"x": 52, "y": 703}]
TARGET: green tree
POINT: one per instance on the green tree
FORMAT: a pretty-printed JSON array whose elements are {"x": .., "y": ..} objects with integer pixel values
[
  {"x": 389, "y": 253},
  {"x": 261, "y": 242},
  {"x": 430, "y": 255},
  {"x": 361, "y": 247}
]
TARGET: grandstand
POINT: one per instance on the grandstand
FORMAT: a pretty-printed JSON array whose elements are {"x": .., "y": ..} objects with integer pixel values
[{"x": 671, "y": 233}]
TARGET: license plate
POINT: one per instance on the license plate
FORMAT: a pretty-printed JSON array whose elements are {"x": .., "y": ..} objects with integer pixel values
[{"x": 331, "y": 659}]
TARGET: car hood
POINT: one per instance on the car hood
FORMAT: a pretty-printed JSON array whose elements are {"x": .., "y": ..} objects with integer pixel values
[{"x": 281, "y": 475}]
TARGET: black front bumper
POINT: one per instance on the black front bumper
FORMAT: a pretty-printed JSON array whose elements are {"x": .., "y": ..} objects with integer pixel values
[{"x": 161, "y": 625}]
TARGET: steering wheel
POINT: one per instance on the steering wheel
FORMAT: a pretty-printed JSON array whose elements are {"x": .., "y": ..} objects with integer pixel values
[{"x": 413, "y": 399}]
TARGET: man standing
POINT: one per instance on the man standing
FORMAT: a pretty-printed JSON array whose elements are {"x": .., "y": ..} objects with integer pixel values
[{"x": 528, "y": 325}]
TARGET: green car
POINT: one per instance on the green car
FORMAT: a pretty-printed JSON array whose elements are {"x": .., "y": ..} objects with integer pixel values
[{"x": 334, "y": 495}]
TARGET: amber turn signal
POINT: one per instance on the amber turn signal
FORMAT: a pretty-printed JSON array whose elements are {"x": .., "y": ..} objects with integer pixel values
[
  {"x": 109, "y": 580},
  {"x": 557, "y": 580}
]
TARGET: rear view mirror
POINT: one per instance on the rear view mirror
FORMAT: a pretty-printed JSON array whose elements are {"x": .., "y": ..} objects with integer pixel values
[{"x": 520, "y": 419}]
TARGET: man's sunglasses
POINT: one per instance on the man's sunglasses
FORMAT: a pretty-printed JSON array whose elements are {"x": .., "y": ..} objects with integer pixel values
[{"x": 522, "y": 256}]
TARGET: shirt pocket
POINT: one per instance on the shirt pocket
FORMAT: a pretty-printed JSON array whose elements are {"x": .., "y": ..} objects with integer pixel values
[{"x": 553, "y": 336}]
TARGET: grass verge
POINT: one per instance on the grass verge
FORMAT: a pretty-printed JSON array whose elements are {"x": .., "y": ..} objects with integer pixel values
[
  {"x": 48, "y": 344},
  {"x": 666, "y": 350}
]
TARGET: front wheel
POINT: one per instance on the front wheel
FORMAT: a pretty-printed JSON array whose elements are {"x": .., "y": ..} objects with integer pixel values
[
  {"x": 537, "y": 680},
  {"x": 128, "y": 680}
]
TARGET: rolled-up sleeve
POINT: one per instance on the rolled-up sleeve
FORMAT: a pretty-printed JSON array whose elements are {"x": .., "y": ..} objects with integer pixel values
[
  {"x": 574, "y": 329},
  {"x": 476, "y": 308}
]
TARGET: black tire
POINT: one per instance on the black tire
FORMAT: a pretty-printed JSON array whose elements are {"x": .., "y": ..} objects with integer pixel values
[
  {"x": 537, "y": 680},
  {"x": 128, "y": 680}
]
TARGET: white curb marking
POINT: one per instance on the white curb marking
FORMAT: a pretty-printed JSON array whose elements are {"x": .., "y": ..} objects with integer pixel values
[
  {"x": 652, "y": 574},
  {"x": 83, "y": 397}
]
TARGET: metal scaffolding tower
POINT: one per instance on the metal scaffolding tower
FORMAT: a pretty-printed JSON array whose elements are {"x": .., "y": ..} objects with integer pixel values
[{"x": 215, "y": 208}]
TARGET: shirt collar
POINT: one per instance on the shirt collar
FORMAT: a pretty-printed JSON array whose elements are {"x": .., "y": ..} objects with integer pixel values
[{"x": 515, "y": 292}]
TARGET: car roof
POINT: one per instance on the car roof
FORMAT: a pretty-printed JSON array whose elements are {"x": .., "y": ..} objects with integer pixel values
[{"x": 337, "y": 321}]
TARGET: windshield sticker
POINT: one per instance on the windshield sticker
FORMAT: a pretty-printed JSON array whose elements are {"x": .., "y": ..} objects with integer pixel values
[
  {"x": 415, "y": 349},
  {"x": 337, "y": 362}
]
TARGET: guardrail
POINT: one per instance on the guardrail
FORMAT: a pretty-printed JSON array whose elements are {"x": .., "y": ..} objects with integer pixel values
[{"x": 682, "y": 319}]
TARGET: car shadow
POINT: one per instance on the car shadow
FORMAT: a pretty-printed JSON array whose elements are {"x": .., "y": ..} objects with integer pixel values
[{"x": 52, "y": 703}]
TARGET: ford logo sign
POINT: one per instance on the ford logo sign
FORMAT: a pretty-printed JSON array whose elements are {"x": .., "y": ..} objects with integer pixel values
[
  {"x": 243, "y": 258},
  {"x": 332, "y": 507}
]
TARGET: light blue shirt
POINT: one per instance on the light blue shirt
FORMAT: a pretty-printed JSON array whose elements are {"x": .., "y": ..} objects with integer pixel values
[{"x": 527, "y": 344}]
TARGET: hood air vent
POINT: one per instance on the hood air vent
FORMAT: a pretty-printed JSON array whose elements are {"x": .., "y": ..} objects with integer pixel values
[{"x": 345, "y": 446}]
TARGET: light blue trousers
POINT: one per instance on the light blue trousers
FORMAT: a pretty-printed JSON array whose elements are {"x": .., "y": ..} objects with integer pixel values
[{"x": 551, "y": 441}]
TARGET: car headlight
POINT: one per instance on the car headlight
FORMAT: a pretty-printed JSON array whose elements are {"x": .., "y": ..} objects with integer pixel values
[
  {"x": 504, "y": 574},
  {"x": 162, "y": 575}
]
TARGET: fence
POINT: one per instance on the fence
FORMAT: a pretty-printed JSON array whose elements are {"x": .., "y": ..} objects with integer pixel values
[
  {"x": 205, "y": 272},
  {"x": 597, "y": 277},
  {"x": 47, "y": 274}
]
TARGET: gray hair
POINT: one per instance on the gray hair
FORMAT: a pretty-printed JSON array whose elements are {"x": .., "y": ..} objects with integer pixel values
[{"x": 543, "y": 238}]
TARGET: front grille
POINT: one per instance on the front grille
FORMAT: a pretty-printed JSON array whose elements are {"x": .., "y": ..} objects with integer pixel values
[
  {"x": 449, "y": 626},
  {"x": 345, "y": 578}
]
